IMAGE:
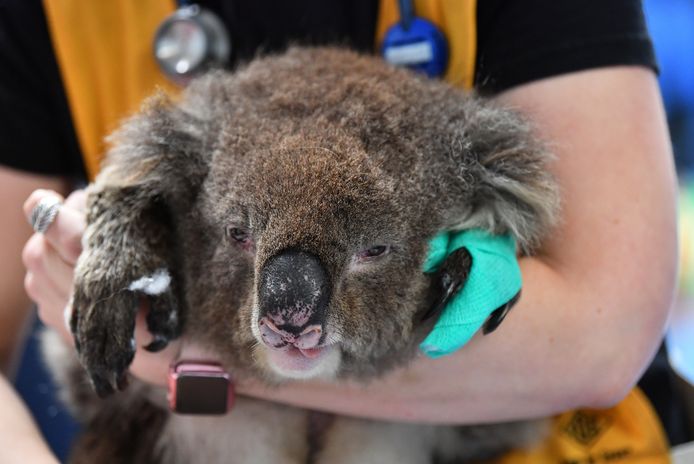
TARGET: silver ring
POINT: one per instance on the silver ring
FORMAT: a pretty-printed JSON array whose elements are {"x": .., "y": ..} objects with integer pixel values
[{"x": 44, "y": 213}]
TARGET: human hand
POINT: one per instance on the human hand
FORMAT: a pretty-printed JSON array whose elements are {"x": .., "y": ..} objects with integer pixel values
[
  {"x": 493, "y": 284},
  {"x": 50, "y": 260}
]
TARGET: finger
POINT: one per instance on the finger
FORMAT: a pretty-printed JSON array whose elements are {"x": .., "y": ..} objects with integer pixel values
[
  {"x": 77, "y": 200},
  {"x": 50, "y": 300},
  {"x": 60, "y": 272},
  {"x": 40, "y": 293},
  {"x": 50, "y": 304},
  {"x": 65, "y": 232},
  {"x": 35, "y": 197},
  {"x": 50, "y": 296},
  {"x": 40, "y": 257}
]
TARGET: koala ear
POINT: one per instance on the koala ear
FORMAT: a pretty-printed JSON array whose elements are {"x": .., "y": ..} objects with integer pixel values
[{"x": 512, "y": 190}]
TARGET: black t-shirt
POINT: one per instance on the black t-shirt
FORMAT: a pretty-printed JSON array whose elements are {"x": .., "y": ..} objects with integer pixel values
[{"x": 518, "y": 41}]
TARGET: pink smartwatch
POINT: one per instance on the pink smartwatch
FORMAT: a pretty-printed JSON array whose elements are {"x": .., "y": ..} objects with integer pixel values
[{"x": 199, "y": 387}]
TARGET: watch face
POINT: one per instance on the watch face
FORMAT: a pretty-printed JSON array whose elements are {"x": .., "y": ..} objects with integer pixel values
[{"x": 201, "y": 394}]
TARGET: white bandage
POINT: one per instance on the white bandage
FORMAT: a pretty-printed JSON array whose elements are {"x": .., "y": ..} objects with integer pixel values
[{"x": 155, "y": 284}]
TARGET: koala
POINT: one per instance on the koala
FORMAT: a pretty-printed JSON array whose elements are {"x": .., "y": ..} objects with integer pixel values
[{"x": 279, "y": 217}]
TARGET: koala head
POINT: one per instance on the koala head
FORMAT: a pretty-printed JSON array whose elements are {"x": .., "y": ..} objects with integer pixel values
[{"x": 302, "y": 191}]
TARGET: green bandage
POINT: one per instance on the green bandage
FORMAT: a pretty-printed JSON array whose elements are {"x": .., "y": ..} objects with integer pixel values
[{"x": 494, "y": 279}]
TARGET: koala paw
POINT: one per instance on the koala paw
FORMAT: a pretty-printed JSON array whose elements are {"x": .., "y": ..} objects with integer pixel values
[
  {"x": 104, "y": 336},
  {"x": 104, "y": 327},
  {"x": 163, "y": 319},
  {"x": 449, "y": 279}
]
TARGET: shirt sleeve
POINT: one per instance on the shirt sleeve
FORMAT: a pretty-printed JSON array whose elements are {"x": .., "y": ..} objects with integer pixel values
[
  {"x": 524, "y": 40},
  {"x": 36, "y": 132}
]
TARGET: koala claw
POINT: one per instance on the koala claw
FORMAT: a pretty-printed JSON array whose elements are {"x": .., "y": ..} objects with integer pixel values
[
  {"x": 103, "y": 330},
  {"x": 103, "y": 325},
  {"x": 449, "y": 279},
  {"x": 157, "y": 344},
  {"x": 163, "y": 321},
  {"x": 106, "y": 384},
  {"x": 107, "y": 380}
]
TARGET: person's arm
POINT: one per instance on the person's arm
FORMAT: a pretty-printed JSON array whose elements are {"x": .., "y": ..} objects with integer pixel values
[
  {"x": 15, "y": 186},
  {"x": 22, "y": 442},
  {"x": 596, "y": 298}
]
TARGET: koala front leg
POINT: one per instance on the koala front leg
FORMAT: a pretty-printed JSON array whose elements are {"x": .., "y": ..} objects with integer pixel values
[
  {"x": 126, "y": 258},
  {"x": 448, "y": 280}
]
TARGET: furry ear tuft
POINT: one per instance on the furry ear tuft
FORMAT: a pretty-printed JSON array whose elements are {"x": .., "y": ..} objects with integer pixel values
[{"x": 514, "y": 191}]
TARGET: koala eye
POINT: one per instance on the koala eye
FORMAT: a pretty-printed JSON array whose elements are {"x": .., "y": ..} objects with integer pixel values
[
  {"x": 373, "y": 252},
  {"x": 239, "y": 235}
]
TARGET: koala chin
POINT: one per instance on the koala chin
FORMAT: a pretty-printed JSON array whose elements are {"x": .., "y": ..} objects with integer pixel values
[
  {"x": 279, "y": 217},
  {"x": 299, "y": 357},
  {"x": 292, "y": 363}
]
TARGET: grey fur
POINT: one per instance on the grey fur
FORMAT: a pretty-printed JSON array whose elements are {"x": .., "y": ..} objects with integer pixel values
[{"x": 316, "y": 149}]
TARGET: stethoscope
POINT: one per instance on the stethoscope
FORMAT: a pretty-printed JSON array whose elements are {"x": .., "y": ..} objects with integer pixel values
[
  {"x": 190, "y": 41},
  {"x": 194, "y": 39}
]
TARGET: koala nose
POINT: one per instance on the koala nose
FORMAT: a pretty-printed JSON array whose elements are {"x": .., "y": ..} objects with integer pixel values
[
  {"x": 293, "y": 295},
  {"x": 275, "y": 337}
]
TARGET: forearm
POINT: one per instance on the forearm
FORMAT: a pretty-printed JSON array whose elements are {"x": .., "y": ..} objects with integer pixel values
[
  {"x": 21, "y": 439},
  {"x": 15, "y": 186},
  {"x": 485, "y": 381},
  {"x": 596, "y": 296},
  {"x": 531, "y": 366}
]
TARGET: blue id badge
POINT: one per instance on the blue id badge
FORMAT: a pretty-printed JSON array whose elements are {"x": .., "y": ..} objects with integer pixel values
[{"x": 415, "y": 43}]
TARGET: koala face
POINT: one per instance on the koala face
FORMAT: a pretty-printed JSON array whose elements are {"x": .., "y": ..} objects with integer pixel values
[{"x": 329, "y": 259}]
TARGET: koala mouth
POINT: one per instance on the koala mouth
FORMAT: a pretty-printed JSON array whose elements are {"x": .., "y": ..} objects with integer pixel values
[
  {"x": 294, "y": 362},
  {"x": 300, "y": 353}
]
